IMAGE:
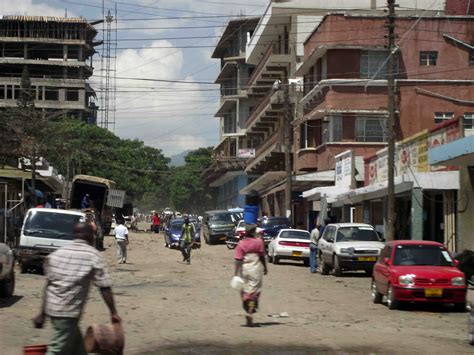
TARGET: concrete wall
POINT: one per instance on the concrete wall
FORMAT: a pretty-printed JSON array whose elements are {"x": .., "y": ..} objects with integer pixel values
[{"x": 465, "y": 207}]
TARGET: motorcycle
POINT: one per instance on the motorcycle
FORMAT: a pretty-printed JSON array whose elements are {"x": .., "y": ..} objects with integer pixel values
[{"x": 234, "y": 238}]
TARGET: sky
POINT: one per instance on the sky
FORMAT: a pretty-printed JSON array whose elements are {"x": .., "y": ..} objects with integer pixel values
[{"x": 174, "y": 117}]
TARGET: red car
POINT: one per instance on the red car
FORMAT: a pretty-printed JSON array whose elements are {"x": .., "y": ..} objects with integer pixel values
[{"x": 418, "y": 271}]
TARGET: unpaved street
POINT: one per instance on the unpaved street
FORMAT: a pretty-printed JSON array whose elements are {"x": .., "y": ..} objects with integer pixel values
[{"x": 169, "y": 307}]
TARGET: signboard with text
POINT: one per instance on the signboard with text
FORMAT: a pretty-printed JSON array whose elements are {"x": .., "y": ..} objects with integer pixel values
[
  {"x": 411, "y": 154},
  {"x": 344, "y": 168},
  {"x": 246, "y": 153}
]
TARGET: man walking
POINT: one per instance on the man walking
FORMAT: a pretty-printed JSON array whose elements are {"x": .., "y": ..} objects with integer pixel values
[
  {"x": 186, "y": 241},
  {"x": 69, "y": 272},
  {"x": 121, "y": 237},
  {"x": 313, "y": 248}
]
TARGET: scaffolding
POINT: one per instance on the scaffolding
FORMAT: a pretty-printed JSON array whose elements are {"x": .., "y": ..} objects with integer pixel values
[{"x": 108, "y": 70}]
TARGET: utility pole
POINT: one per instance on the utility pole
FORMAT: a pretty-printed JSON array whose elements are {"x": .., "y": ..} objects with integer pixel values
[
  {"x": 287, "y": 121},
  {"x": 390, "y": 228}
]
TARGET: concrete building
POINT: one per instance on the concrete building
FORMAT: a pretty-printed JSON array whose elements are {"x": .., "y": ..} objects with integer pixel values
[
  {"x": 345, "y": 108},
  {"x": 58, "y": 53},
  {"x": 277, "y": 49},
  {"x": 227, "y": 171}
]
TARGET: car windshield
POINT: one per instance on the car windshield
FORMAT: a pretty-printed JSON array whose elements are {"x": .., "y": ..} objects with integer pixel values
[
  {"x": 51, "y": 224},
  {"x": 177, "y": 226},
  {"x": 294, "y": 235},
  {"x": 421, "y": 255},
  {"x": 221, "y": 218},
  {"x": 356, "y": 234},
  {"x": 273, "y": 222}
]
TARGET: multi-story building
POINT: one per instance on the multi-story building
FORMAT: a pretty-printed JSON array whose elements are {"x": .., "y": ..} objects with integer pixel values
[
  {"x": 346, "y": 106},
  {"x": 227, "y": 171},
  {"x": 58, "y": 54},
  {"x": 277, "y": 49}
]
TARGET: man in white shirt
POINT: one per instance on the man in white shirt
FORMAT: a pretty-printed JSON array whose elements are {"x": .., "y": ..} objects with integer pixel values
[
  {"x": 313, "y": 248},
  {"x": 121, "y": 237}
]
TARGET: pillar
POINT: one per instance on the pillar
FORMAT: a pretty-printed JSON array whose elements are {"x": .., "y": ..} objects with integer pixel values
[{"x": 416, "y": 214}]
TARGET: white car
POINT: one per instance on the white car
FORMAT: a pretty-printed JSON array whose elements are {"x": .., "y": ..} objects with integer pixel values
[
  {"x": 292, "y": 244},
  {"x": 348, "y": 246}
]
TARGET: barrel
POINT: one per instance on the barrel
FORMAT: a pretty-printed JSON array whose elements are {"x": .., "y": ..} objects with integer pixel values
[
  {"x": 104, "y": 339},
  {"x": 35, "y": 349}
]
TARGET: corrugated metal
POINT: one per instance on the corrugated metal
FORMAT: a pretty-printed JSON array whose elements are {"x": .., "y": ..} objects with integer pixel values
[{"x": 115, "y": 198}]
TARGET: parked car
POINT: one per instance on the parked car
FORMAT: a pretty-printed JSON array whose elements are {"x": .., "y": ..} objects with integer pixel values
[
  {"x": 174, "y": 231},
  {"x": 418, "y": 271},
  {"x": 45, "y": 230},
  {"x": 269, "y": 227},
  {"x": 217, "y": 225},
  {"x": 348, "y": 246},
  {"x": 7, "y": 271},
  {"x": 292, "y": 244}
]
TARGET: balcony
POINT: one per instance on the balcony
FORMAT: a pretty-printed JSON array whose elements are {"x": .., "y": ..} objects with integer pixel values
[
  {"x": 271, "y": 67},
  {"x": 306, "y": 160},
  {"x": 267, "y": 114},
  {"x": 269, "y": 156}
]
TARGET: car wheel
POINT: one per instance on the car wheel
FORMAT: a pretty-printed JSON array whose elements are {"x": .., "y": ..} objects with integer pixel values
[
  {"x": 377, "y": 297},
  {"x": 306, "y": 262},
  {"x": 392, "y": 303},
  {"x": 324, "y": 268},
  {"x": 7, "y": 286},
  {"x": 337, "y": 268},
  {"x": 23, "y": 268},
  {"x": 275, "y": 259},
  {"x": 460, "y": 307},
  {"x": 270, "y": 258},
  {"x": 471, "y": 338}
]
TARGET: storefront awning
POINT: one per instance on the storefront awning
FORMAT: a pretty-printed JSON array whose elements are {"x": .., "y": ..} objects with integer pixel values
[
  {"x": 444, "y": 180},
  {"x": 331, "y": 192},
  {"x": 264, "y": 182},
  {"x": 458, "y": 152}
]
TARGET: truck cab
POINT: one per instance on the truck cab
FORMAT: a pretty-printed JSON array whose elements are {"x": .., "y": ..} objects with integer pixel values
[{"x": 45, "y": 230}]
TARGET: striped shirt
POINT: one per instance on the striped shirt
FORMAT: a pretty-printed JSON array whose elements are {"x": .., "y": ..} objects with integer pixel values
[{"x": 70, "y": 271}]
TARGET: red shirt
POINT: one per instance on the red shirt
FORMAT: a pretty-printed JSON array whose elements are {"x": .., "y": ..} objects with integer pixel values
[
  {"x": 156, "y": 220},
  {"x": 249, "y": 246}
]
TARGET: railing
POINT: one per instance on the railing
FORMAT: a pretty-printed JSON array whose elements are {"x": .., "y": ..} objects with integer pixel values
[
  {"x": 268, "y": 143},
  {"x": 259, "y": 109}
]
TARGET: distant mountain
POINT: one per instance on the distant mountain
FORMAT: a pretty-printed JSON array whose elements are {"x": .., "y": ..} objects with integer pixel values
[{"x": 178, "y": 159}]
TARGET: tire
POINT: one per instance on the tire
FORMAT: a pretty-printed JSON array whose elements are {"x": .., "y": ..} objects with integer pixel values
[
  {"x": 337, "y": 267},
  {"x": 323, "y": 266},
  {"x": 471, "y": 339},
  {"x": 369, "y": 272},
  {"x": 275, "y": 259},
  {"x": 377, "y": 297},
  {"x": 270, "y": 258},
  {"x": 23, "y": 268},
  {"x": 7, "y": 286},
  {"x": 392, "y": 303},
  {"x": 306, "y": 262},
  {"x": 460, "y": 307}
]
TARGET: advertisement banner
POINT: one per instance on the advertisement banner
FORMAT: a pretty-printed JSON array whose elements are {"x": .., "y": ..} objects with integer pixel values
[{"x": 246, "y": 153}]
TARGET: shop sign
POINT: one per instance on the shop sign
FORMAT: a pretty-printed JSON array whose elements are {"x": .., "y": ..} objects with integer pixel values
[
  {"x": 246, "y": 153},
  {"x": 411, "y": 154},
  {"x": 344, "y": 168}
]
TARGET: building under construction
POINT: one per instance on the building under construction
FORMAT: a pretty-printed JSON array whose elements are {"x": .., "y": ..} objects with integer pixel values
[{"x": 58, "y": 53}]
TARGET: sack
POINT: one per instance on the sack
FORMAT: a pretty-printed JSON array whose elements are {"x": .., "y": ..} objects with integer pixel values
[{"x": 237, "y": 283}]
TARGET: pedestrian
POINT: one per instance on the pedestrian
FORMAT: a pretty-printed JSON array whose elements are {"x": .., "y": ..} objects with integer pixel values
[
  {"x": 250, "y": 265},
  {"x": 187, "y": 239},
  {"x": 85, "y": 203},
  {"x": 121, "y": 238},
  {"x": 156, "y": 223},
  {"x": 313, "y": 248},
  {"x": 70, "y": 270}
]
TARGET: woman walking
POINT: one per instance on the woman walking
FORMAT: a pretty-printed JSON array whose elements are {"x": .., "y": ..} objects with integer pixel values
[{"x": 250, "y": 265}]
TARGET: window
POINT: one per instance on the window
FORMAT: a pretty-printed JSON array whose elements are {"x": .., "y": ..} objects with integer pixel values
[
  {"x": 471, "y": 58},
  {"x": 230, "y": 124},
  {"x": 39, "y": 92},
  {"x": 370, "y": 129},
  {"x": 443, "y": 116},
  {"x": 468, "y": 120},
  {"x": 51, "y": 94},
  {"x": 428, "y": 58},
  {"x": 9, "y": 92},
  {"x": 371, "y": 62},
  {"x": 72, "y": 94},
  {"x": 2, "y": 92}
]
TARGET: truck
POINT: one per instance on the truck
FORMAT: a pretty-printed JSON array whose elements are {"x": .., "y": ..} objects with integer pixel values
[{"x": 103, "y": 197}]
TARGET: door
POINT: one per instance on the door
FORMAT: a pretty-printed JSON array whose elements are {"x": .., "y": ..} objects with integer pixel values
[
  {"x": 382, "y": 269},
  {"x": 326, "y": 244}
]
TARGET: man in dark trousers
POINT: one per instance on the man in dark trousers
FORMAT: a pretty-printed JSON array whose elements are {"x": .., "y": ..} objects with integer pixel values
[
  {"x": 70, "y": 271},
  {"x": 187, "y": 239}
]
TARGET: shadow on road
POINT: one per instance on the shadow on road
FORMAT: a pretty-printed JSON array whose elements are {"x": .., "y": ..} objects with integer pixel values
[
  {"x": 257, "y": 349},
  {"x": 10, "y": 301}
]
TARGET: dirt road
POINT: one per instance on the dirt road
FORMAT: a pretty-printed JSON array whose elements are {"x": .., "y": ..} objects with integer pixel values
[{"x": 169, "y": 307}]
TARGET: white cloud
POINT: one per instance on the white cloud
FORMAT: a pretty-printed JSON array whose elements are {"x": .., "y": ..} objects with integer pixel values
[{"x": 27, "y": 7}]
